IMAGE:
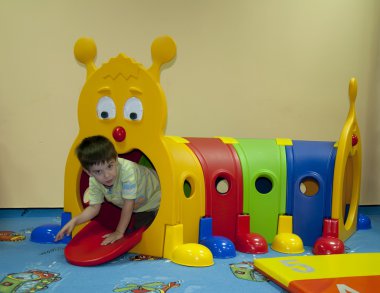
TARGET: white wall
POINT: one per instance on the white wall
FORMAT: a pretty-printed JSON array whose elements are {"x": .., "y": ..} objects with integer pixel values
[{"x": 245, "y": 68}]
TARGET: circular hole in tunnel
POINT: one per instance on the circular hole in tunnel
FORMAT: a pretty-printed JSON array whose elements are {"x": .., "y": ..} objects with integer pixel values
[
  {"x": 222, "y": 185},
  {"x": 309, "y": 186},
  {"x": 187, "y": 188},
  {"x": 263, "y": 185}
]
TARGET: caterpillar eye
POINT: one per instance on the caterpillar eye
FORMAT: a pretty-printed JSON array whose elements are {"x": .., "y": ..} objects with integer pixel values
[
  {"x": 133, "y": 109},
  {"x": 106, "y": 108}
]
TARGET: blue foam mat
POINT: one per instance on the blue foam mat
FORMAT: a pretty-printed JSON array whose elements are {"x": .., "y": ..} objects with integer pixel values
[{"x": 125, "y": 275}]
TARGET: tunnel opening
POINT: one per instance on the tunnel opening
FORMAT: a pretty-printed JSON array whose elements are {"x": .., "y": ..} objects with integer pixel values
[{"x": 109, "y": 214}]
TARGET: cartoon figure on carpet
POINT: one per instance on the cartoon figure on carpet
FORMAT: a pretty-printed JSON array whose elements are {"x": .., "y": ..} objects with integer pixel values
[
  {"x": 142, "y": 257},
  {"x": 11, "y": 236},
  {"x": 154, "y": 287},
  {"x": 246, "y": 271},
  {"x": 29, "y": 281}
]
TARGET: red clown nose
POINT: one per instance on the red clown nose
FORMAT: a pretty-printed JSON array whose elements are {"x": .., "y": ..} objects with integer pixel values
[{"x": 119, "y": 134}]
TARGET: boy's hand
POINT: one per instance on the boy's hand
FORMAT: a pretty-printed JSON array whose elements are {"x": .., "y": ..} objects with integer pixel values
[
  {"x": 112, "y": 237},
  {"x": 66, "y": 230}
]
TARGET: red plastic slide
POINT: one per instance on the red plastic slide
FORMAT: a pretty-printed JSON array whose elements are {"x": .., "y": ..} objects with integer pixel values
[{"x": 85, "y": 248}]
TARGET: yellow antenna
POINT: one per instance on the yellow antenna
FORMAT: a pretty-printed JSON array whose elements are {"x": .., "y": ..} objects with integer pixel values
[
  {"x": 163, "y": 50},
  {"x": 352, "y": 93},
  {"x": 85, "y": 53}
]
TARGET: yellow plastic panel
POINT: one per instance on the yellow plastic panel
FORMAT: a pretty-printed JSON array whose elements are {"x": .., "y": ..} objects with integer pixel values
[
  {"x": 227, "y": 140},
  {"x": 284, "y": 141},
  {"x": 177, "y": 139},
  {"x": 286, "y": 241},
  {"x": 287, "y": 269},
  {"x": 189, "y": 254},
  {"x": 347, "y": 172},
  {"x": 190, "y": 188}
]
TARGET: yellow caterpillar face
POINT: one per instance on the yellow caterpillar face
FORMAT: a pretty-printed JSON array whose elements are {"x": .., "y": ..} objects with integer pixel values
[{"x": 122, "y": 100}]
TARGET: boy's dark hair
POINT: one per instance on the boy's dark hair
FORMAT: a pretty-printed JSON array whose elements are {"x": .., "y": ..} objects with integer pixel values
[{"x": 95, "y": 150}]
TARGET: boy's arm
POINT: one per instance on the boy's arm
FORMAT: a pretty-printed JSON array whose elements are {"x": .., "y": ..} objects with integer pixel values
[
  {"x": 125, "y": 218},
  {"x": 88, "y": 213}
]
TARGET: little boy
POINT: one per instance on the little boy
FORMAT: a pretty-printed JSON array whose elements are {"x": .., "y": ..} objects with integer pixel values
[{"x": 128, "y": 185}]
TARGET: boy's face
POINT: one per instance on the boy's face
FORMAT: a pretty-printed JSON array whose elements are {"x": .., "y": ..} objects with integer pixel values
[{"x": 104, "y": 173}]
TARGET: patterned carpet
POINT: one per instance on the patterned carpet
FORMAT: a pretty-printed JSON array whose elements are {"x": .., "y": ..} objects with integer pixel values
[{"x": 27, "y": 266}]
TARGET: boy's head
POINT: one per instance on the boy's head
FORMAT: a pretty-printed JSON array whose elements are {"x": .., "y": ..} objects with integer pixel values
[{"x": 95, "y": 150}]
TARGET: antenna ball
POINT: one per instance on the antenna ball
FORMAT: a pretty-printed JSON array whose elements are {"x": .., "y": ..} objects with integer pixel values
[{"x": 85, "y": 50}]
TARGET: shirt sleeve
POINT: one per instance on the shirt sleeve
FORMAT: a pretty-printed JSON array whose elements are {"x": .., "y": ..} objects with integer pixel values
[
  {"x": 129, "y": 185},
  {"x": 96, "y": 195}
]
